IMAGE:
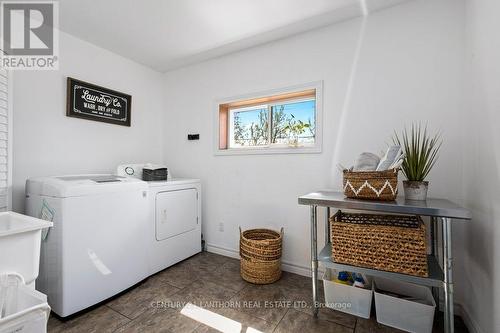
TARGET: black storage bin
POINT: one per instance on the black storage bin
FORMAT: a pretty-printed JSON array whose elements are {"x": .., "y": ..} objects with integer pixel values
[{"x": 154, "y": 174}]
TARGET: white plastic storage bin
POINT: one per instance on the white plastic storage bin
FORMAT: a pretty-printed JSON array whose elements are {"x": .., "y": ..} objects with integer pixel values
[
  {"x": 404, "y": 314},
  {"x": 348, "y": 299},
  {"x": 27, "y": 313},
  {"x": 20, "y": 237}
]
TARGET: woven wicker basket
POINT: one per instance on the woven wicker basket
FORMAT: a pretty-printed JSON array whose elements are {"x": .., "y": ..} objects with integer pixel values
[
  {"x": 372, "y": 185},
  {"x": 260, "y": 252},
  {"x": 393, "y": 243}
]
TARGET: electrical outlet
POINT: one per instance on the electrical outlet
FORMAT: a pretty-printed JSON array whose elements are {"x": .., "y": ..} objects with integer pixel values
[{"x": 221, "y": 226}]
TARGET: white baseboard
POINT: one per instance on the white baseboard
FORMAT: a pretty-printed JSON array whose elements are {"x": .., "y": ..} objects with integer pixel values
[
  {"x": 286, "y": 266},
  {"x": 460, "y": 310},
  {"x": 470, "y": 322},
  {"x": 223, "y": 251}
]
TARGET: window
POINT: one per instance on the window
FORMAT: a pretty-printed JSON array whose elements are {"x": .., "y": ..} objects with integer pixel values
[{"x": 281, "y": 122}]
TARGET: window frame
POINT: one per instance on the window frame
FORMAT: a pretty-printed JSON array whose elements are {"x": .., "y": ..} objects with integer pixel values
[
  {"x": 231, "y": 112},
  {"x": 297, "y": 100},
  {"x": 219, "y": 133}
]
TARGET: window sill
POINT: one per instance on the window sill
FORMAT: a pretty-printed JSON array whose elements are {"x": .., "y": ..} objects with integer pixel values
[{"x": 268, "y": 151}]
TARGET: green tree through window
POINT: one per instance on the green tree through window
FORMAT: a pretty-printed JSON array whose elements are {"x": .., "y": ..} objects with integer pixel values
[{"x": 287, "y": 123}]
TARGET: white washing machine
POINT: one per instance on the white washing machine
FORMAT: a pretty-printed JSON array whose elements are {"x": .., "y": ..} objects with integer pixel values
[
  {"x": 174, "y": 218},
  {"x": 98, "y": 244}
]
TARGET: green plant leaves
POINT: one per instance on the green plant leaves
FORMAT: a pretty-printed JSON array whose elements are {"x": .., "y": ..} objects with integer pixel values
[{"x": 421, "y": 151}]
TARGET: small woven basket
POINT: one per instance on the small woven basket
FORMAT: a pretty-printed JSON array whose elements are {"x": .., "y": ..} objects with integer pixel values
[
  {"x": 394, "y": 243},
  {"x": 371, "y": 185},
  {"x": 260, "y": 252}
]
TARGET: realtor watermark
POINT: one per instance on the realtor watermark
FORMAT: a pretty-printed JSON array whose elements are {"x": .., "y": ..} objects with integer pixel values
[
  {"x": 29, "y": 35},
  {"x": 249, "y": 304}
]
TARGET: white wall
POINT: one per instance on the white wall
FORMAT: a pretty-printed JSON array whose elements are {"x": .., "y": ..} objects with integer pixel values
[
  {"x": 481, "y": 286},
  {"x": 46, "y": 142},
  {"x": 410, "y": 68}
]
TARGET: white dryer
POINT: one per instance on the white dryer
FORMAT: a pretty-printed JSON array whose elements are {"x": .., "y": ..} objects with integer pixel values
[
  {"x": 174, "y": 218},
  {"x": 97, "y": 246}
]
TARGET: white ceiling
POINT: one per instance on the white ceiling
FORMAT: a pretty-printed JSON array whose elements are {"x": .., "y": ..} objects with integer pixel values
[{"x": 167, "y": 34}]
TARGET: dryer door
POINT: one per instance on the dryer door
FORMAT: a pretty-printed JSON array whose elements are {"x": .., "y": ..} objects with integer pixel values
[{"x": 176, "y": 213}]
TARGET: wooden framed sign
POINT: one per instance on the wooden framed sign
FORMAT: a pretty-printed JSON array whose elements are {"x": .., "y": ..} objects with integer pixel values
[{"x": 92, "y": 102}]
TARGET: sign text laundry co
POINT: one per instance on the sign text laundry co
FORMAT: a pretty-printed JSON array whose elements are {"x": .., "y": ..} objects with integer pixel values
[{"x": 89, "y": 101}]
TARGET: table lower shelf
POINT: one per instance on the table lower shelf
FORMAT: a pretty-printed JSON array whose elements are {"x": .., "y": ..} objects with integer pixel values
[{"x": 435, "y": 278}]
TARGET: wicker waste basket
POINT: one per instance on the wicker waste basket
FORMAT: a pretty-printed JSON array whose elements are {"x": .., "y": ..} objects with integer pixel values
[
  {"x": 394, "y": 243},
  {"x": 260, "y": 252}
]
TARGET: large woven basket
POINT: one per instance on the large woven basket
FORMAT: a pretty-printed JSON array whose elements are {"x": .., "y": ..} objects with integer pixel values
[
  {"x": 260, "y": 252},
  {"x": 372, "y": 185},
  {"x": 394, "y": 243}
]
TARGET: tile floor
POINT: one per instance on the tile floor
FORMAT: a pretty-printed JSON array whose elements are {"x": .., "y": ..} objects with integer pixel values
[{"x": 209, "y": 280}]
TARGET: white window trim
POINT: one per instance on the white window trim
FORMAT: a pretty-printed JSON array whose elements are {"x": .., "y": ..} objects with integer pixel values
[{"x": 273, "y": 149}]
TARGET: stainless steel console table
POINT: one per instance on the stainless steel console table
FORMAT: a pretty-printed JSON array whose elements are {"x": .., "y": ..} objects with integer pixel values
[{"x": 440, "y": 211}]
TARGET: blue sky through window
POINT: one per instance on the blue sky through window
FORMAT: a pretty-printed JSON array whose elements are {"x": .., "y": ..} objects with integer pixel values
[
  {"x": 249, "y": 117},
  {"x": 250, "y": 130},
  {"x": 303, "y": 111}
]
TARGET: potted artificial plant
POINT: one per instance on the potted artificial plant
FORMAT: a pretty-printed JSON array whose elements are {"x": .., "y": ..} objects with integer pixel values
[{"x": 421, "y": 152}]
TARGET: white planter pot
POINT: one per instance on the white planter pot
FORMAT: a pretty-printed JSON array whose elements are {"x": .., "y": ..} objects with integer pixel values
[{"x": 415, "y": 190}]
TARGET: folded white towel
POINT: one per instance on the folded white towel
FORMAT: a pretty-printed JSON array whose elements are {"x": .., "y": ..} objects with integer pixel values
[
  {"x": 366, "y": 162},
  {"x": 392, "y": 155}
]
